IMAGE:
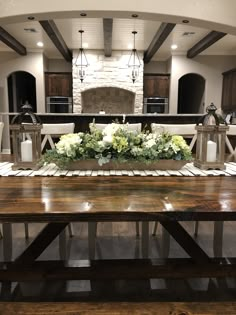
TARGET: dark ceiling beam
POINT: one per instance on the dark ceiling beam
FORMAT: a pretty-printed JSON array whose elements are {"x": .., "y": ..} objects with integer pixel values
[
  {"x": 53, "y": 33},
  {"x": 204, "y": 43},
  {"x": 10, "y": 41},
  {"x": 159, "y": 38},
  {"x": 107, "y": 33}
]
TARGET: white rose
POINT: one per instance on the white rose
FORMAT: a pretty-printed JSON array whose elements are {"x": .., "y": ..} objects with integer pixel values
[
  {"x": 150, "y": 143},
  {"x": 107, "y": 139}
]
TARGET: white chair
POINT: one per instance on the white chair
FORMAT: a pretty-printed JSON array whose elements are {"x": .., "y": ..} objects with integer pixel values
[
  {"x": 185, "y": 130},
  {"x": 136, "y": 127},
  {"x": 92, "y": 226},
  {"x": 1, "y": 130},
  {"x": 188, "y": 131},
  {"x": 230, "y": 132},
  {"x": 51, "y": 131}
]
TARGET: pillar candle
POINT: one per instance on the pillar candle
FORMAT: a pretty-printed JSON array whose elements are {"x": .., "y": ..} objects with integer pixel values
[
  {"x": 26, "y": 151},
  {"x": 211, "y": 151}
]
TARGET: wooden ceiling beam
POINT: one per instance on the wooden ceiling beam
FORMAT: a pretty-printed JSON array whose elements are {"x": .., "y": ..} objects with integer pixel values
[
  {"x": 11, "y": 42},
  {"x": 163, "y": 32},
  {"x": 53, "y": 33},
  {"x": 204, "y": 43},
  {"x": 107, "y": 33}
]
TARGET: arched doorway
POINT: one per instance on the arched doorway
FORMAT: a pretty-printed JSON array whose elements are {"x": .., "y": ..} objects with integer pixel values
[
  {"x": 21, "y": 88},
  {"x": 191, "y": 94}
]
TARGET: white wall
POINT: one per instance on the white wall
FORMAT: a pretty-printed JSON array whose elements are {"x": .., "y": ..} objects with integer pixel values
[
  {"x": 32, "y": 63},
  {"x": 210, "y": 67},
  {"x": 59, "y": 65},
  {"x": 156, "y": 67}
]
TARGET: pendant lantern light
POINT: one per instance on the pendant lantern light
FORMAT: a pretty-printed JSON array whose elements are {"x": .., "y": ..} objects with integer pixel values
[
  {"x": 134, "y": 61},
  {"x": 81, "y": 61}
]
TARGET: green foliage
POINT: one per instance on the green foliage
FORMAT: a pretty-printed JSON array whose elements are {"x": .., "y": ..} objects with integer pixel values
[{"x": 119, "y": 144}]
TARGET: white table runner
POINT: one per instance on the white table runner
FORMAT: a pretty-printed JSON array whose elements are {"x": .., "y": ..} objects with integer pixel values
[{"x": 52, "y": 170}]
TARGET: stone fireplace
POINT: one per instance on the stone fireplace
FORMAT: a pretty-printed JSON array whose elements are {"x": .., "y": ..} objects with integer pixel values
[
  {"x": 110, "y": 99},
  {"x": 108, "y": 85}
]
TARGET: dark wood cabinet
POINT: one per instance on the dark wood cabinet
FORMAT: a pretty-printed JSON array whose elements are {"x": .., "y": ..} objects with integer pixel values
[
  {"x": 229, "y": 91},
  {"x": 156, "y": 85},
  {"x": 58, "y": 84}
]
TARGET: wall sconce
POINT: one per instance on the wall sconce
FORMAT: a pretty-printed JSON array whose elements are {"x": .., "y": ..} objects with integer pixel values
[
  {"x": 26, "y": 139},
  {"x": 134, "y": 61},
  {"x": 81, "y": 61},
  {"x": 211, "y": 135}
]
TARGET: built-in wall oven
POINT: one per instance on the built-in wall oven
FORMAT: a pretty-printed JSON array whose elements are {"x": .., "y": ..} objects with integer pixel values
[
  {"x": 156, "y": 105},
  {"x": 59, "y": 104}
]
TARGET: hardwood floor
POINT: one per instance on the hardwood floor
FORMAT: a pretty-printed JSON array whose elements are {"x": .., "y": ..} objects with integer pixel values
[
  {"x": 121, "y": 308},
  {"x": 118, "y": 240}
]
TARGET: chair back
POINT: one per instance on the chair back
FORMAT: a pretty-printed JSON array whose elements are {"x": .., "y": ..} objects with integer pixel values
[
  {"x": 51, "y": 131},
  {"x": 136, "y": 127},
  {"x": 175, "y": 129},
  {"x": 57, "y": 129}
]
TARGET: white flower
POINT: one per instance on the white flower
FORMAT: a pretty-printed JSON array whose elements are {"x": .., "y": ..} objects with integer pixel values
[
  {"x": 67, "y": 144},
  {"x": 110, "y": 129},
  {"x": 150, "y": 143},
  {"x": 107, "y": 139}
]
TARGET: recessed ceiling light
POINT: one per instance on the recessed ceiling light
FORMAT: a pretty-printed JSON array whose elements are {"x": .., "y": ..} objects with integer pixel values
[
  {"x": 31, "y": 18},
  {"x": 188, "y": 33},
  {"x": 174, "y": 46},
  {"x": 185, "y": 21},
  {"x": 134, "y": 15},
  {"x": 30, "y": 30},
  {"x": 40, "y": 44},
  {"x": 83, "y": 14}
]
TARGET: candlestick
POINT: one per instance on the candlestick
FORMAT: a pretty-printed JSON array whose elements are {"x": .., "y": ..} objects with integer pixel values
[
  {"x": 26, "y": 151},
  {"x": 211, "y": 151}
]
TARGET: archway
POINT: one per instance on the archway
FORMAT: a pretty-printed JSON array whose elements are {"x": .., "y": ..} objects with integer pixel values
[
  {"x": 21, "y": 88},
  {"x": 191, "y": 94}
]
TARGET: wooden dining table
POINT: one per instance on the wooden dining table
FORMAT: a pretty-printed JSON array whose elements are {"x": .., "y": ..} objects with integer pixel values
[{"x": 170, "y": 201}]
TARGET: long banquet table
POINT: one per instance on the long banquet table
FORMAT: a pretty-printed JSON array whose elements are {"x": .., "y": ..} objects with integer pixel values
[{"x": 168, "y": 200}]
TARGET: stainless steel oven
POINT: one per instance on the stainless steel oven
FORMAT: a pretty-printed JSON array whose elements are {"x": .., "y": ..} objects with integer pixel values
[
  {"x": 59, "y": 104},
  {"x": 156, "y": 105}
]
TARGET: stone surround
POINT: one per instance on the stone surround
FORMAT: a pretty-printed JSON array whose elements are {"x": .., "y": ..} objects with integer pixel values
[{"x": 106, "y": 72}]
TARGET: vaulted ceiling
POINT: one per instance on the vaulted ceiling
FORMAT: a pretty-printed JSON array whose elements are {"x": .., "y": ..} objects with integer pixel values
[{"x": 154, "y": 38}]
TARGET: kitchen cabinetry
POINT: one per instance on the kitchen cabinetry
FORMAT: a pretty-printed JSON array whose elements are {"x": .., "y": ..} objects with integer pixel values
[
  {"x": 58, "y": 84},
  {"x": 156, "y": 85},
  {"x": 229, "y": 91}
]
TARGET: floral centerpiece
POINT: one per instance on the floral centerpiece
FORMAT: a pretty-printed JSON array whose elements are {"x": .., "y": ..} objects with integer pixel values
[{"x": 117, "y": 145}]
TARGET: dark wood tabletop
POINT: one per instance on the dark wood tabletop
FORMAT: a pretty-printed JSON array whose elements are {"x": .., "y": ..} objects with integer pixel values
[{"x": 62, "y": 199}]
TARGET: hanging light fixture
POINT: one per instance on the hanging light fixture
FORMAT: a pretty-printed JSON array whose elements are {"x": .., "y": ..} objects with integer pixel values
[
  {"x": 81, "y": 60},
  {"x": 134, "y": 62}
]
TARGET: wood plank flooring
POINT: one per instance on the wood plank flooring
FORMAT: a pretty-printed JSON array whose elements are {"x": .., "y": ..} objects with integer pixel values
[
  {"x": 118, "y": 240},
  {"x": 118, "y": 308}
]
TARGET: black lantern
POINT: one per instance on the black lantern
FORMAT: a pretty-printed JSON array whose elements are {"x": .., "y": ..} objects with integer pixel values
[
  {"x": 26, "y": 139},
  {"x": 81, "y": 61},
  {"x": 211, "y": 135},
  {"x": 134, "y": 62}
]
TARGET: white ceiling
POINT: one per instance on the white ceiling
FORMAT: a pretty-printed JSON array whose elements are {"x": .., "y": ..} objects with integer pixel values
[{"x": 121, "y": 37}]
